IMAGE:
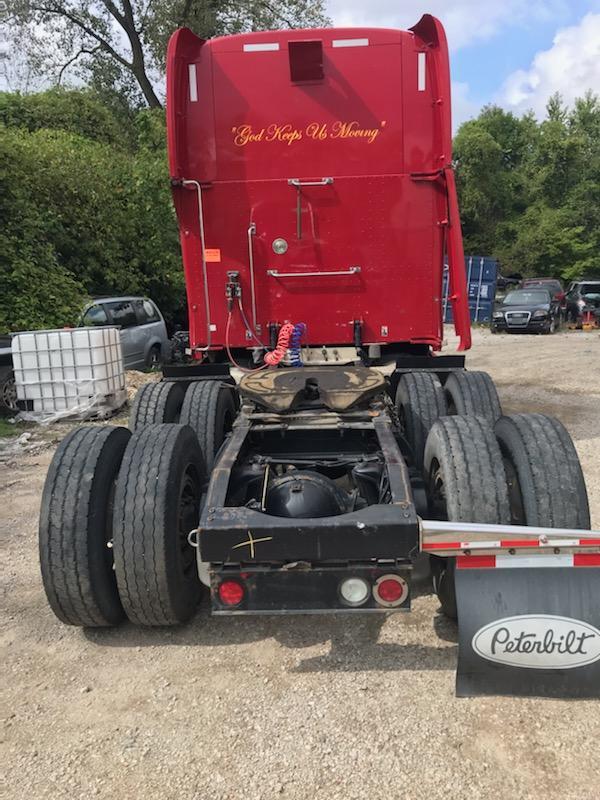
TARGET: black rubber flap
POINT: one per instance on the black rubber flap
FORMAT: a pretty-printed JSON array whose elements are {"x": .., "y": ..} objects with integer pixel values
[{"x": 529, "y": 632}]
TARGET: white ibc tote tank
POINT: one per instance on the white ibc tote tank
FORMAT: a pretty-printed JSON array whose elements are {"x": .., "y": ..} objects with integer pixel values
[{"x": 77, "y": 371}]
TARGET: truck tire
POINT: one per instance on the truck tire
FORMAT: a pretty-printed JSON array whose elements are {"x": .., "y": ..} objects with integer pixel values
[
  {"x": 156, "y": 403},
  {"x": 157, "y": 504},
  {"x": 209, "y": 408},
  {"x": 546, "y": 484},
  {"x": 466, "y": 483},
  {"x": 473, "y": 394},
  {"x": 420, "y": 401},
  {"x": 76, "y": 527}
]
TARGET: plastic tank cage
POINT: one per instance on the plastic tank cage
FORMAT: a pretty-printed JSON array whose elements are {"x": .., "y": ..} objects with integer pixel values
[{"x": 76, "y": 372}]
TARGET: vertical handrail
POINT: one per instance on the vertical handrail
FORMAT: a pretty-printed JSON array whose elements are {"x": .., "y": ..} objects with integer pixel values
[
  {"x": 456, "y": 266},
  {"x": 446, "y": 275},
  {"x": 204, "y": 269},
  {"x": 251, "y": 233}
]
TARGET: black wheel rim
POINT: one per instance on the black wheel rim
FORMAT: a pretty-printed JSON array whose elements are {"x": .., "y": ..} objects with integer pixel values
[
  {"x": 437, "y": 492},
  {"x": 188, "y": 512},
  {"x": 515, "y": 498},
  {"x": 8, "y": 394}
]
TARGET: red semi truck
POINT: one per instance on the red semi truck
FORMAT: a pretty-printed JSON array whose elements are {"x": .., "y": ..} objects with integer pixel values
[
  {"x": 312, "y": 179},
  {"x": 316, "y": 165}
]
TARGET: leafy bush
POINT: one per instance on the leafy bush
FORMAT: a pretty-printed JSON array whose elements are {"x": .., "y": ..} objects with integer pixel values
[{"x": 83, "y": 215}]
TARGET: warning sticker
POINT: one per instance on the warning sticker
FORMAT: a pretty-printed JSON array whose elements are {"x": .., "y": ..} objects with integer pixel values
[{"x": 212, "y": 254}]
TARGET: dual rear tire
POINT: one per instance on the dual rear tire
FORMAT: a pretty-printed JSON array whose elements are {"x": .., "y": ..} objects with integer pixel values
[
  {"x": 523, "y": 471},
  {"x": 117, "y": 509},
  {"x": 421, "y": 400},
  {"x": 208, "y": 407}
]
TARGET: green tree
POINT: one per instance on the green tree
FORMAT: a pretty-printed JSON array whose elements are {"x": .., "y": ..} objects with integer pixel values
[
  {"x": 122, "y": 43},
  {"x": 530, "y": 191}
]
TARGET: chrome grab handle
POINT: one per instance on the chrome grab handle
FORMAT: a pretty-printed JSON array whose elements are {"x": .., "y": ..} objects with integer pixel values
[
  {"x": 298, "y": 184},
  {"x": 273, "y": 273}
]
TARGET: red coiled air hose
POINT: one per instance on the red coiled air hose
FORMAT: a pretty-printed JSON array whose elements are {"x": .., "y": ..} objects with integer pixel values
[{"x": 283, "y": 340}]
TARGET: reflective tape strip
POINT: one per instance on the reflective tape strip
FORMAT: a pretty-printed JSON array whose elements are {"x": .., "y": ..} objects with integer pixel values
[
  {"x": 255, "y": 48},
  {"x": 586, "y": 560},
  {"x": 562, "y": 543},
  {"x": 349, "y": 42},
  {"x": 521, "y": 543},
  {"x": 421, "y": 71},
  {"x": 443, "y": 546},
  {"x": 520, "y": 562},
  {"x": 475, "y": 562},
  {"x": 193, "y": 83},
  {"x": 480, "y": 545}
]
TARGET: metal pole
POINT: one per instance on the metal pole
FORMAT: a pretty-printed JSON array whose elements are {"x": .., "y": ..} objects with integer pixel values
[
  {"x": 459, "y": 531},
  {"x": 251, "y": 233},
  {"x": 479, "y": 289}
]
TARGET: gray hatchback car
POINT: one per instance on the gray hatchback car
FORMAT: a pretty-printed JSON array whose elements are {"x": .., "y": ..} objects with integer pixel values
[{"x": 144, "y": 337}]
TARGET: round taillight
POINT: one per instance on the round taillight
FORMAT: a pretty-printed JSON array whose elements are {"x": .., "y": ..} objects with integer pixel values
[
  {"x": 354, "y": 591},
  {"x": 390, "y": 590},
  {"x": 231, "y": 593}
]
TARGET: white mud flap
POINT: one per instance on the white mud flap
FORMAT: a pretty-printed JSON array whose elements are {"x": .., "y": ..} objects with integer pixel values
[{"x": 528, "y": 625}]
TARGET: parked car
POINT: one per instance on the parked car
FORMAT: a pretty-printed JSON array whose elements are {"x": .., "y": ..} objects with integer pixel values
[
  {"x": 144, "y": 337},
  {"x": 528, "y": 310},
  {"x": 554, "y": 286},
  {"x": 8, "y": 392},
  {"x": 582, "y": 295}
]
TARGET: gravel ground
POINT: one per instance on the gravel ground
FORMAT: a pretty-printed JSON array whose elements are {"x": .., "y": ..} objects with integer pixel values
[{"x": 297, "y": 707}]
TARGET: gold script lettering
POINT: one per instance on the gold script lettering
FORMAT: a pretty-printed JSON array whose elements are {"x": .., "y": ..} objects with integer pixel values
[
  {"x": 244, "y": 134},
  {"x": 351, "y": 130},
  {"x": 283, "y": 133},
  {"x": 316, "y": 130}
]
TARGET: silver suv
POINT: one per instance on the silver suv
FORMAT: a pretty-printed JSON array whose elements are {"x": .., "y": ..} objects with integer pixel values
[{"x": 144, "y": 337}]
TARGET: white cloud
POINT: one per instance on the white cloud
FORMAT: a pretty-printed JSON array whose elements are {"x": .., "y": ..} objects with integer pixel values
[
  {"x": 570, "y": 66},
  {"x": 465, "y": 21},
  {"x": 463, "y": 108}
]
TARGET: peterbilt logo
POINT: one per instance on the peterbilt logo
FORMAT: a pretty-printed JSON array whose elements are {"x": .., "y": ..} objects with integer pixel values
[{"x": 538, "y": 641}]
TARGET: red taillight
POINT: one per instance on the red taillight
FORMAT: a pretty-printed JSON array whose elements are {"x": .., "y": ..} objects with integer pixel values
[
  {"x": 231, "y": 593},
  {"x": 390, "y": 590}
]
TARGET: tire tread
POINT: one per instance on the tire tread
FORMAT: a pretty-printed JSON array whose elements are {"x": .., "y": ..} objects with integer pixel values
[{"x": 66, "y": 517}]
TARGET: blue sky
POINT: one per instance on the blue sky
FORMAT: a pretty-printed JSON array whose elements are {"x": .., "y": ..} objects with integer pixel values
[{"x": 511, "y": 52}]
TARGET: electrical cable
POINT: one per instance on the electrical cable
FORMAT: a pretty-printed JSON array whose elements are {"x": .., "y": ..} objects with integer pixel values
[
  {"x": 229, "y": 353},
  {"x": 247, "y": 324},
  {"x": 295, "y": 357}
]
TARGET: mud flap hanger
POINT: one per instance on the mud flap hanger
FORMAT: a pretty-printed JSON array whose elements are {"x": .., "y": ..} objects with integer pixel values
[
  {"x": 453, "y": 248},
  {"x": 528, "y": 605}
]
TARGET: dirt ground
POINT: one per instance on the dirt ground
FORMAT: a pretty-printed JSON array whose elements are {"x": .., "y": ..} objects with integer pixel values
[{"x": 285, "y": 707}]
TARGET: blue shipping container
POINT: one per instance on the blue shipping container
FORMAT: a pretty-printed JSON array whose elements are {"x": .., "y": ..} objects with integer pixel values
[{"x": 482, "y": 274}]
